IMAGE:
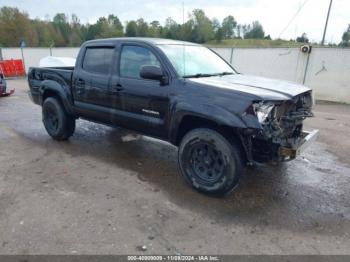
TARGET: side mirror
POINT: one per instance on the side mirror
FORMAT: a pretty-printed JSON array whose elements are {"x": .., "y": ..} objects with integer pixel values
[{"x": 152, "y": 72}]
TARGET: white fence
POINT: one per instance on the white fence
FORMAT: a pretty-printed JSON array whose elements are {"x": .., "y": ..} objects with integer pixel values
[
  {"x": 33, "y": 55},
  {"x": 328, "y": 70}
]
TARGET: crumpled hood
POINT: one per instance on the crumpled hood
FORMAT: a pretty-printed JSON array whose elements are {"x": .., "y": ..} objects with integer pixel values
[{"x": 263, "y": 88}]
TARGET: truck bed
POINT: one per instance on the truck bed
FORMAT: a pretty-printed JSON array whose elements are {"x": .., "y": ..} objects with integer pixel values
[{"x": 36, "y": 75}]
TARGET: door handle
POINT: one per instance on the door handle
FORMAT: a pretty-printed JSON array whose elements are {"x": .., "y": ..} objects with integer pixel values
[
  {"x": 80, "y": 82},
  {"x": 117, "y": 88},
  {"x": 79, "y": 86}
]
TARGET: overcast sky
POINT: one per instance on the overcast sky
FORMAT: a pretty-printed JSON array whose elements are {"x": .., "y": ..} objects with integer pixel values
[{"x": 273, "y": 14}]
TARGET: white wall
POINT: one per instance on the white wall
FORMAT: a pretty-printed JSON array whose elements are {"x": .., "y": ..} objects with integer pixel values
[
  {"x": 281, "y": 63},
  {"x": 32, "y": 56},
  {"x": 328, "y": 73}
]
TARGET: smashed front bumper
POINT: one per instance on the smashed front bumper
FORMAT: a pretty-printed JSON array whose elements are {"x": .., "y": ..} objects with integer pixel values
[{"x": 287, "y": 153}]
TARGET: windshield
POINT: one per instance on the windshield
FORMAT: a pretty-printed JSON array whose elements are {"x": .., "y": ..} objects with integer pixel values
[{"x": 195, "y": 61}]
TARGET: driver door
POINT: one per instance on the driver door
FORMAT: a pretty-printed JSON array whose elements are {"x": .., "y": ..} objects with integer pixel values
[{"x": 143, "y": 103}]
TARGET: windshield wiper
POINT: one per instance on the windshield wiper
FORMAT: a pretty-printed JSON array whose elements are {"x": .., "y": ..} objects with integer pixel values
[
  {"x": 199, "y": 75},
  {"x": 225, "y": 73},
  {"x": 207, "y": 75}
]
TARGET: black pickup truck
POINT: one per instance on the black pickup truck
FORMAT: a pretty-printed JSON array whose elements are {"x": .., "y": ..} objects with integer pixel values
[{"x": 182, "y": 93}]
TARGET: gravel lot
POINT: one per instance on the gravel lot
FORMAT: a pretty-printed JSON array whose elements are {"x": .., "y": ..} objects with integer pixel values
[{"x": 96, "y": 194}]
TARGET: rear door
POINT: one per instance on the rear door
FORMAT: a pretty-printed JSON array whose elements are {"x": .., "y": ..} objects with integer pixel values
[
  {"x": 142, "y": 104},
  {"x": 91, "y": 83}
]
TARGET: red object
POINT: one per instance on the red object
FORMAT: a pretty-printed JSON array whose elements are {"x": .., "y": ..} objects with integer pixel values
[{"x": 13, "y": 67}]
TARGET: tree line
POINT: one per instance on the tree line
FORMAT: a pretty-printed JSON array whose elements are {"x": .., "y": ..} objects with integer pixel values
[{"x": 16, "y": 27}]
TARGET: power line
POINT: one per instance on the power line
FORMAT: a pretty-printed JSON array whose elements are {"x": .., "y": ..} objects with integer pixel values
[{"x": 292, "y": 19}]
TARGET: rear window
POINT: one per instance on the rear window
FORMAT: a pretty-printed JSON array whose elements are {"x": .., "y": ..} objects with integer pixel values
[{"x": 98, "y": 60}]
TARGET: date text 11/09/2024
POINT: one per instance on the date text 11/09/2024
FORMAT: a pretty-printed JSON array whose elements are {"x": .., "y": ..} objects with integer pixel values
[{"x": 173, "y": 258}]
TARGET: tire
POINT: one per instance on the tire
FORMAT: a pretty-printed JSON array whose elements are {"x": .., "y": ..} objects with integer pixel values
[
  {"x": 209, "y": 162},
  {"x": 58, "y": 123}
]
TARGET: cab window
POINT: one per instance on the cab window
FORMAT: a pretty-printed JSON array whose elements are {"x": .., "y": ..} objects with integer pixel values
[
  {"x": 98, "y": 59},
  {"x": 133, "y": 58}
]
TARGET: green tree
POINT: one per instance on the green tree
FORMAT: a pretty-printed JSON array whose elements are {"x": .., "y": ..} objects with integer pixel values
[
  {"x": 84, "y": 32},
  {"x": 239, "y": 30},
  {"x": 154, "y": 29},
  {"x": 172, "y": 30},
  {"x": 184, "y": 32},
  {"x": 75, "y": 36},
  {"x": 56, "y": 36},
  {"x": 346, "y": 37},
  {"x": 256, "y": 31},
  {"x": 16, "y": 27},
  {"x": 43, "y": 32},
  {"x": 303, "y": 38},
  {"x": 62, "y": 27},
  {"x": 115, "y": 26},
  {"x": 228, "y": 27},
  {"x": 215, "y": 24},
  {"x": 108, "y": 27},
  {"x": 245, "y": 29},
  {"x": 219, "y": 35},
  {"x": 202, "y": 27},
  {"x": 142, "y": 27},
  {"x": 268, "y": 37},
  {"x": 93, "y": 31},
  {"x": 131, "y": 29}
]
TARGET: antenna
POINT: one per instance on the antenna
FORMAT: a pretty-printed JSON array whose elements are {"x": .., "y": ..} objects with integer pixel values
[
  {"x": 183, "y": 27},
  {"x": 294, "y": 16}
]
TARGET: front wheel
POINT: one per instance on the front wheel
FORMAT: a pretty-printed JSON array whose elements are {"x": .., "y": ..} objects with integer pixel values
[
  {"x": 209, "y": 162},
  {"x": 58, "y": 123}
]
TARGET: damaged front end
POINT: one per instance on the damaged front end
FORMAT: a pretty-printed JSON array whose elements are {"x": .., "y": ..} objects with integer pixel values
[{"x": 281, "y": 136}]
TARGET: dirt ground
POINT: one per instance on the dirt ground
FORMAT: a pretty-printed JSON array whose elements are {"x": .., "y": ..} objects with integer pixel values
[{"x": 96, "y": 194}]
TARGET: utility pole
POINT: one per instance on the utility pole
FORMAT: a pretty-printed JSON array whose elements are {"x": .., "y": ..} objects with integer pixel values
[{"x": 325, "y": 27}]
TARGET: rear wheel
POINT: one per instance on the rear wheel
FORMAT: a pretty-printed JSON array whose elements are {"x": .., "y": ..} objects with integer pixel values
[
  {"x": 58, "y": 123},
  {"x": 209, "y": 162}
]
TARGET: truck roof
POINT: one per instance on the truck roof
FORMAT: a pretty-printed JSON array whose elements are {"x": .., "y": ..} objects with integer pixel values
[{"x": 155, "y": 41}]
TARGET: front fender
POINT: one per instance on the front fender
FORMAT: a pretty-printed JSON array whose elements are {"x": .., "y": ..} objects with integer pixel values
[{"x": 208, "y": 112}]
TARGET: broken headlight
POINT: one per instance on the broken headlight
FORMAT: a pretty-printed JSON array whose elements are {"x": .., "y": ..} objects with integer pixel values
[{"x": 262, "y": 110}]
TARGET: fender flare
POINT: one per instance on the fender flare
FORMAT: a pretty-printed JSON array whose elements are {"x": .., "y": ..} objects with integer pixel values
[
  {"x": 61, "y": 91},
  {"x": 211, "y": 113}
]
